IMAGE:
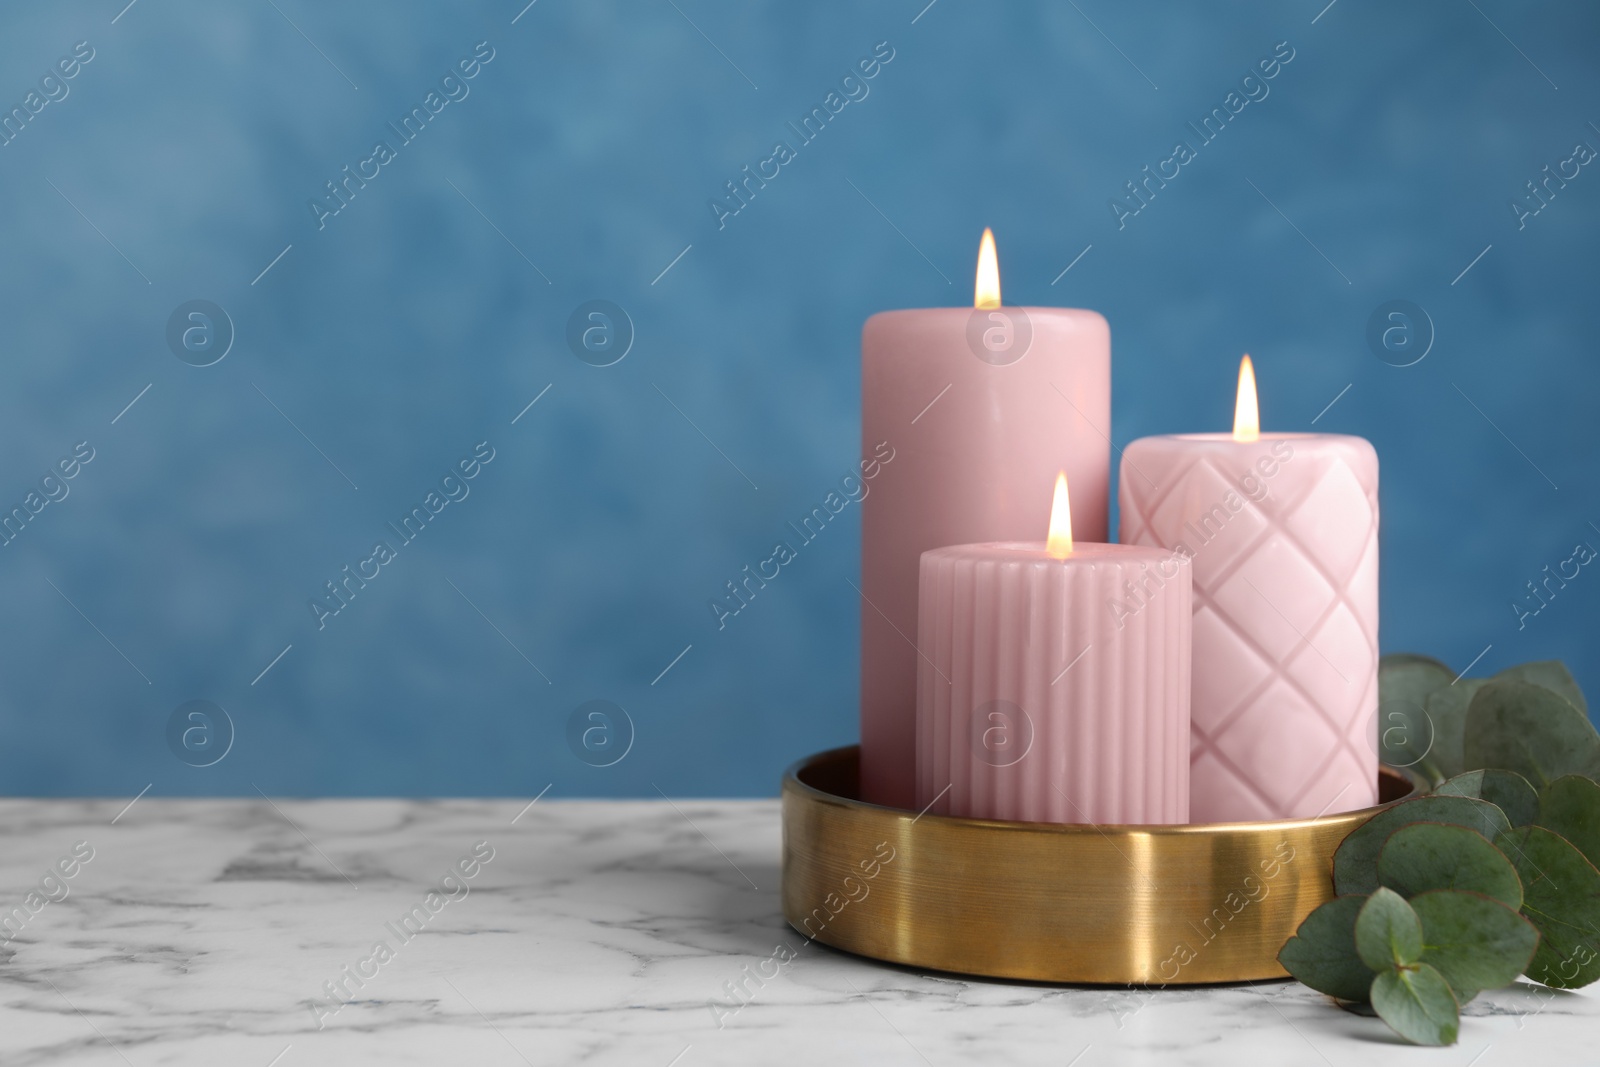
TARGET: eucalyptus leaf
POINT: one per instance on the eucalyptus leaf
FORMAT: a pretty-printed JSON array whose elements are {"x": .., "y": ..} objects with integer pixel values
[
  {"x": 1417, "y": 1004},
  {"x": 1410, "y": 676},
  {"x": 1561, "y": 895},
  {"x": 1322, "y": 953},
  {"x": 1447, "y": 719},
  {"x": 1429, "y": 855},
  {"x": 1476, "y": 942},
  {"x": 1404, "y": 733},
  {"x": 1570, "y": 806},
  {"x": 1388, "y": 932},
  {"x": 1522, "y": 727},
  {"x": 1553, "y": 675},
  {"x": 1355, "y": 864},
  {"x": 1486, "y": 901},
  {"x": 1506, "y": 790}
]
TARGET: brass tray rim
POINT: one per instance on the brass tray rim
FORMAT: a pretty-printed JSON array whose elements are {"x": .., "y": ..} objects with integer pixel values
[
  {"x": 792, "y": 781},
  {"x": 941, "y": 915}
]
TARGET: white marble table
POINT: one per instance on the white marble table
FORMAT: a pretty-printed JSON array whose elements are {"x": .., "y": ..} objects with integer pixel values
[{"x": 203, "y": 931}]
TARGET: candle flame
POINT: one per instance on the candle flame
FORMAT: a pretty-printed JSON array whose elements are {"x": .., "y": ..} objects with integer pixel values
[
  {"x": 1246, "y": 411},
  {"x": 986, "y": 293},
  {"x": 1059, "y": 543}
]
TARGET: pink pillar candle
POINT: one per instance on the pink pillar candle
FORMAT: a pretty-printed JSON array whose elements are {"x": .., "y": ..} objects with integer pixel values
[
  {"x": 1282, "y": 535},
  {"x": 982, "y": 407},
  {"x": 1037, "y": 700}
]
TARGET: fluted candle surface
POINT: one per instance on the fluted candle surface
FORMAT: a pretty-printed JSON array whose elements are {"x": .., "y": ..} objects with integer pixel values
[{"x": 1054, "y": 689}]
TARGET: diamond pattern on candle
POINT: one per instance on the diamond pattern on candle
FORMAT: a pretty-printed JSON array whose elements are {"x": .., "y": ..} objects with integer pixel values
[
  {"x": 1341, "y": 639},
  {"x": 1198, "y": 508},
  {"x": 1278, "y": 720},
  {"x": 1285, "y": 628},
  {"x": 1234, "y": 670},
  {"x": 1274, "y": 597},
  {"x": 1332, "y": 522}
]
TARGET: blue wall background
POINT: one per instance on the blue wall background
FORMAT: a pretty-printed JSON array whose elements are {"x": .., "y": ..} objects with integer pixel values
[{"x": 416, "y": 324}]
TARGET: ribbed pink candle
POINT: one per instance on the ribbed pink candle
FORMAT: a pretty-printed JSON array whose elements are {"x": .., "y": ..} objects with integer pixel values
[
  {"x": 982, "y": 407},
  {"x": 1282, "y": 534},
  {"x": 1054, "y": 690}
]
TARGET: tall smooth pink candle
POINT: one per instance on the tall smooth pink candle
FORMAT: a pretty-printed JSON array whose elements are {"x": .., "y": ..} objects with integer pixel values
[
  {"x": 982, "y": 408},
  {"x": 1282, "y": 534},
  {"x": 1037, "y": 702}
]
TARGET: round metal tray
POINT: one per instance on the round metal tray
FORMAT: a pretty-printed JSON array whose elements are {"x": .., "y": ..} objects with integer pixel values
[{"x": 1157, "y": 905}]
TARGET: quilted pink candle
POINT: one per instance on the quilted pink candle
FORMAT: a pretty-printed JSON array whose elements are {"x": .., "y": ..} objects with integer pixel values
[
  {"x": 1038, "y": 698},
  {"x": 1281, "y": 531},
  {"x": 981, "y": 406}
]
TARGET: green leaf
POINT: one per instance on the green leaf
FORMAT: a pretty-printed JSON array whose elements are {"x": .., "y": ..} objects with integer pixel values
[
  {"x": 1355, "y": 864},
  {"x": 1322, "y": 953},
  {"x": 1561, "y": 894},
  {"x": 1430, "y": 855},
  {"x": 1506, "y": 790},
  {"x": 1447, "y": 718},
  {"x": 1477, "y": 943},
  {"x": 1410, "y": 676},
  {"x": 1570, "y": 806},
  {"x": 1553, "y": 675},
  {"x": 1404, "y": 682},
  {"x": 1417, "y": 1004},
  {"x": 1518, "y": 726},
  {"x": 1388, "y": 933},
  {"x": 1445, "y": 707}
]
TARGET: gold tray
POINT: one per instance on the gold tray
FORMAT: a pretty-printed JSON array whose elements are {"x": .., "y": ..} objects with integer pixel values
[{"x": 1158, "y": 905}]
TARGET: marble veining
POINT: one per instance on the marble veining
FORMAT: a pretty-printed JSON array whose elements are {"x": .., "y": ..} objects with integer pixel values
[{"x": 204, "y": 931}]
